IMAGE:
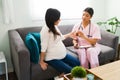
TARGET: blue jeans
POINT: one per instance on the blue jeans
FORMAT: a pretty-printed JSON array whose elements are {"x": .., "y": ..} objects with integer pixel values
[{"x": 64, "y": 65}]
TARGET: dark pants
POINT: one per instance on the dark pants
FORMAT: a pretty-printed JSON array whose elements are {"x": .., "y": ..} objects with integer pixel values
[
  {"x": 64, "y": 65},
  {"x": 51, "y": 79}
]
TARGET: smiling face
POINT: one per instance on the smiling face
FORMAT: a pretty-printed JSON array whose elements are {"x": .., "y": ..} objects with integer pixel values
[{"x": 86, "y": 16}]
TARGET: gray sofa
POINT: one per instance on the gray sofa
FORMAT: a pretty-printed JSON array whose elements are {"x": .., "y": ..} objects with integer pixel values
[{"x": 26, "y": 70}]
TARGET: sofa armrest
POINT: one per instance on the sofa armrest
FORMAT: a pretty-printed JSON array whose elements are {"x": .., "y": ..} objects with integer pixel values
[
  {"x": 20, "y": 55},
  {"x": 109, "y": 39}
]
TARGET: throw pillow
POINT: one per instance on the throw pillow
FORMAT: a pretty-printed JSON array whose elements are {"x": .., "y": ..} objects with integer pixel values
[{"x": 32, "y": 41}]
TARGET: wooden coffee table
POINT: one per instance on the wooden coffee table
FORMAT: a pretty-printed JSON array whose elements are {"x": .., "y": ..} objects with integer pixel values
[
  {"x": 110, "y": 71},
  {"x": 69, "y": 77}
]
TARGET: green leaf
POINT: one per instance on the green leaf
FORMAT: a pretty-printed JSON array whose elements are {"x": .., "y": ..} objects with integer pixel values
[{"x": 78, "y": 71}]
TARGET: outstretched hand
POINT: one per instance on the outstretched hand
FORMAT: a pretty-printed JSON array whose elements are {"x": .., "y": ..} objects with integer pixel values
[
  {"x": 80, "y": 34},
  {"x": 73, "y": 35},
  {"x": 75, "y": 43}
]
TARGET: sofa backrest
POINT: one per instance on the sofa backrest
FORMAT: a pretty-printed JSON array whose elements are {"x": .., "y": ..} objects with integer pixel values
[
  {"x": 64, "y": 30},
  {"x": 24, "y": 31},
  {"x": 107, "y": 38}
]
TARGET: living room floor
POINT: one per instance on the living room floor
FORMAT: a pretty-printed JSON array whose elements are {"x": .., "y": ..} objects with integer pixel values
[{"x": 11, "y": 76}]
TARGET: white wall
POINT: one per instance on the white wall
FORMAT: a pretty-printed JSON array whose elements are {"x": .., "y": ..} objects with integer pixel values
[
  {"x": 113, "y": 10},
  {"x": 23, "y": 19},
  {"x": 99, "y": 9},
  {"x": 0, "y": 11}
]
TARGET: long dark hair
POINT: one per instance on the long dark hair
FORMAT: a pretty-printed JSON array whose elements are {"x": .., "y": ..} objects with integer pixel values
[{"x": 51, "y": 16}]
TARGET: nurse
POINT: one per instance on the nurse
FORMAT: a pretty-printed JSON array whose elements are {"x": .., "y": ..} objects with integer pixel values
[{"x": 87, "y": 35}]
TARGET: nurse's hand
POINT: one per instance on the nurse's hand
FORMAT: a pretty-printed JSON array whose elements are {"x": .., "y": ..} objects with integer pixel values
[
  {"x": 80, "y": 34},
  {"x": 73, "y": 35},
  {"x": 75, "y": 43}
]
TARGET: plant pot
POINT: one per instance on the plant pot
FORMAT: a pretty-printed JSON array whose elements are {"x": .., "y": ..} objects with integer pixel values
[{"x": 78, "y": 78}]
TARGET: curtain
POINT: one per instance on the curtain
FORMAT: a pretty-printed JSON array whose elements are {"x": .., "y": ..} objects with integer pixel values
[{"x": 7, "y": 11}]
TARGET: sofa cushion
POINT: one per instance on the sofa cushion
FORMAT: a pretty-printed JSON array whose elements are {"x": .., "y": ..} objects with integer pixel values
[
  {"x": 38, "y": 74},
  {"x": 106, "y": 54},
  {"x": 32, "y": 42},
  {"x": 71, "y": 49},
  {"x": 105, "y": 49}
]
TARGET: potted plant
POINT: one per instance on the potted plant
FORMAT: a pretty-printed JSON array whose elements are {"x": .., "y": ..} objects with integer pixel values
[
  {"x": 78, "y": 73},
  {"x": 113, "y": 22}
]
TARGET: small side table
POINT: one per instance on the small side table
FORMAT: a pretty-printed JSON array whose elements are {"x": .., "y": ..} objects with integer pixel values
[
  {"x": 3, "y": 60},
  {"x": 118, "y": 57}
]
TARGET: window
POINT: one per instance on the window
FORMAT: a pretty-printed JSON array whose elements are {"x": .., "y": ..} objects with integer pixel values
[{"x": 70, "y": 9}]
